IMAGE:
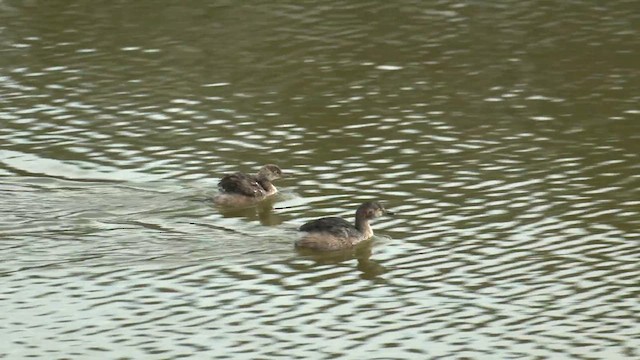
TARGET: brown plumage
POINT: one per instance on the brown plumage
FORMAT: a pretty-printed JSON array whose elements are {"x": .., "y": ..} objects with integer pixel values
[
  {"x": 334, "y": 233},
  {"x": 242, "y": 184},
  {"x": 242, "y": 189}
]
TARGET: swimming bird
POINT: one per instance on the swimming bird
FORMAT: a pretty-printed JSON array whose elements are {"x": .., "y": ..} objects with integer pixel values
[
  {"x": 334, "y": 233},
  {"x": 241, "y": 189}
]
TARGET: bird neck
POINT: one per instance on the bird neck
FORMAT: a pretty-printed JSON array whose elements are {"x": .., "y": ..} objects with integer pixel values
[
  {"x": 264, "y": 182},
  {"x": 362, "y": 224}
]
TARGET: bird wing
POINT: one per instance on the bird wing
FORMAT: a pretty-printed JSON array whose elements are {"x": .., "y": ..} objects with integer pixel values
[
  {"x": 333, "y": 225},
  {"x": 240, "y": 183}
]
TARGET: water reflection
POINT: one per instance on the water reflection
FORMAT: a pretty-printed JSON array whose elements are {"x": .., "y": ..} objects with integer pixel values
[
  {"x": 369, "y": 269},
  {"x": 262, "y": 212}
]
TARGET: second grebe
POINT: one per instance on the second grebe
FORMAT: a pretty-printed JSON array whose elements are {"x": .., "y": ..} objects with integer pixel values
[
  {"x": 334, "y": 233},
  {"x": 240, "y": 189}
]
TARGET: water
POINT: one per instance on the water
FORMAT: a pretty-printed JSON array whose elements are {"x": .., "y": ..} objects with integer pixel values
[{"x": 505, "y": 136}]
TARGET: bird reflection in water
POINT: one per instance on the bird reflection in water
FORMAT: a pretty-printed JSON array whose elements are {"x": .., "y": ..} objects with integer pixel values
[
  {"x": 262, "y": 212},
  {"x": 369, "y": 269}
]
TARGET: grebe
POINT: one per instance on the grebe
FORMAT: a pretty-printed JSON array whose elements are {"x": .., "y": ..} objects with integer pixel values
[
  {"x": 334, "y": 233},
  {"x": 241, "y": 189}
]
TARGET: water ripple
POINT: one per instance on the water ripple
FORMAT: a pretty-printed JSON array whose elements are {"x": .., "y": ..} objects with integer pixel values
[{"x": 511, "y": 163}]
